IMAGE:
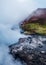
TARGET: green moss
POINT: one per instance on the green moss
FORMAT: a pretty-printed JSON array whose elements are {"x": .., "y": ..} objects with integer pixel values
[{"x": 35, "y": 28}]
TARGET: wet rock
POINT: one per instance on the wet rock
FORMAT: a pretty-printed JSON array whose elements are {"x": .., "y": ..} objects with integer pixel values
[
  {"x": 44, "y": 42},
  {"x": 29, "y": 54}
]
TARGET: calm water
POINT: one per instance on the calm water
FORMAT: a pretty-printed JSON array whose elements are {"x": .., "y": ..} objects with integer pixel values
[{"x": 8, "y": 37}]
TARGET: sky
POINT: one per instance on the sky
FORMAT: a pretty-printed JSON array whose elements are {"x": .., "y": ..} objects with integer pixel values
[
  {"x": 41, "y": 3},
  {"x": 12, "y": 11}
]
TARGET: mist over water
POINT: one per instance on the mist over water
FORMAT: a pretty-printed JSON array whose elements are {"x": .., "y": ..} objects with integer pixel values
[{"x": 11, "y": 14}]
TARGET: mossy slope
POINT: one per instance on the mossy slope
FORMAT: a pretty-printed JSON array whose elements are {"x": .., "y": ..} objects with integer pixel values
[{"x": 35, "y": 28}]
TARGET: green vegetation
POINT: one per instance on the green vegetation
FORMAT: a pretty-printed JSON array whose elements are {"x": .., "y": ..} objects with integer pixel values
[{"x": 35, "y": 28}]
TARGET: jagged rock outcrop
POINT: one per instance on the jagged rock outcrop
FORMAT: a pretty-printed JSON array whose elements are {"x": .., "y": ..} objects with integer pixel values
[
  {"x": 26, "y": 51},
  {"x": 36, "y": 22}
]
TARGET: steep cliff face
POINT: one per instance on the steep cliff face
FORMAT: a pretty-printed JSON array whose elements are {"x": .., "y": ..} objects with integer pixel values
[{"x": 36, "y": 22}]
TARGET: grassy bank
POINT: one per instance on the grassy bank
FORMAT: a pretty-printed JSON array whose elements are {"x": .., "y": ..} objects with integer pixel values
[{"x": 35, "y": 28}]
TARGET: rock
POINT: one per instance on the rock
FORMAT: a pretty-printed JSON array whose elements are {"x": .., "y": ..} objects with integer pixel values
[
  {"x": 40, "y": 13},
  {"x": 26, "y": 52},
  {"x": 36, "y": 22}
]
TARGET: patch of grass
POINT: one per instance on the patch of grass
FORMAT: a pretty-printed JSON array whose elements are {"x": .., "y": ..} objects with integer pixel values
[{"x": 35, "y": 28}]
